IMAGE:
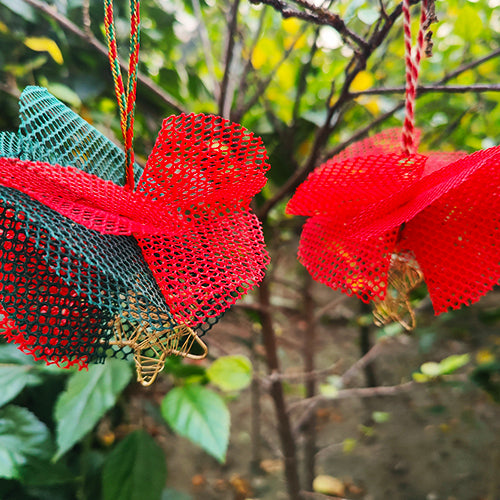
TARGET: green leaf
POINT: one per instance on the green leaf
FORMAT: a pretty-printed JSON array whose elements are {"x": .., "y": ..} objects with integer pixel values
[
  {"x": 88, "y": 396},
  {"x": 199, "y": 414},
  {"x": 135, "y": 469},
  {"x": 22, "y": 437},
  {"x": 21, "y": 9},
  {"x": 13, "y": 379},
  {"x": 431, "y": 369},
  {"x": 469, "y": 25},
  {"x": 231, "y": 373},
  {"x": 16, "y": 372},
  {"x": 380, "y": 417},
  {"x": 452, "y": 363}
]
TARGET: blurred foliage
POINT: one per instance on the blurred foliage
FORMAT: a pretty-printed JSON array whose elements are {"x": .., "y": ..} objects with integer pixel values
[{"x": 59, "y": 434}]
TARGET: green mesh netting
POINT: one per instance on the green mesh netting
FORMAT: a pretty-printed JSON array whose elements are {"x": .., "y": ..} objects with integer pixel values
[{"x": 62, "y": 283}]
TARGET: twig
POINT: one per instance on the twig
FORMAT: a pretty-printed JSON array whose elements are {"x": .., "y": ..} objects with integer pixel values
[
  {"x": 317, "y": 16},
  {"x": 224, "y": 97},
  {"x": 206, "y": 45},
  {"x": 263, "y": 84},
  {"x": 424, "y": 89},
  {"x": 248, "y": 69},
  {"x": 97, "y": 45},
  {"x": 86, "y": 18},
  {"x": 276, "y": 391},
  {"x": 470, "y": 65}
]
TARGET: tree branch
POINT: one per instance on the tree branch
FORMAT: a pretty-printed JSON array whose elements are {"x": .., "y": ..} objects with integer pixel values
[
  {"x": 224, "y": 97},
  {"x": 425, "y": 89},
  {"x": 97, "y": 45},
  {"x": 316, "y": 15}
]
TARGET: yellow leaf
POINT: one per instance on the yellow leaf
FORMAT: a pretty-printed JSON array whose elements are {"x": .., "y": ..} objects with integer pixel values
[
  {"x": 44, "y": 44},
  {"x": 3, "y": 28},
  {"x": 291, "y": 25},
  {"x": 265, "y": 52},
  {"x": 328, "y": 485},
  {"x": 484, "y": 356},
  {"x": 363, "y": 81}
]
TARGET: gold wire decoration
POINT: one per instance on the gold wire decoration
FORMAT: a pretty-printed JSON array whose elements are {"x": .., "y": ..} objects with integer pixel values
[
  {"x": 404, "y": 276},
  {"x": 152, "y": 347}
]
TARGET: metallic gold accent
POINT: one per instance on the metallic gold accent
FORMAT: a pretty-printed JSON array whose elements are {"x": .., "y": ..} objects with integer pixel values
[
  {"x": 151, "y": 347},
  {"x": 404, "y": 276}
]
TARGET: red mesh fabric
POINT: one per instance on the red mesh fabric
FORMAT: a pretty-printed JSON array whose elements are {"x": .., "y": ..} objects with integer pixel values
[
  {"x": 85, "y": 198},
  {"x": 359, "y": 204},
  {"x": 206, "y": 170},
  {"x": 343, "y": 262},
  {"x": 190, "y": 212},
  {"x": 54, "y": 323},
  {"x": 456, "y": 240}
]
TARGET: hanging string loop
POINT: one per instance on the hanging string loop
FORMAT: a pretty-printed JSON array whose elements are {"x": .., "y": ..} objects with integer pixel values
[
  {"x": 125, "y": 96},
  {"x": 412, "y": 66}
]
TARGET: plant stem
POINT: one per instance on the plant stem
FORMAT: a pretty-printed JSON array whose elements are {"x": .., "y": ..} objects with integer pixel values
[
  {"x": 276, "y": 391},
  {"x": 310, "y": 383}
]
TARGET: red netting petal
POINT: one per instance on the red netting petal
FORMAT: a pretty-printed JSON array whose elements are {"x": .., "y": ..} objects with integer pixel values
[
  {"x": 402, "y": 207},
  {"x": 355, "y": 184},
  {"x": 204, "y": 160},
  {"x": 206, "y": 268},
  {"x": 342, "y": 261},
  {"x": 456, "y": 240},
  {"x": 84, "y": 198}
]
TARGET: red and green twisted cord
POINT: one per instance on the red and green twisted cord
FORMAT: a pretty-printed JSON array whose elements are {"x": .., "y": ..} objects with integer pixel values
[{"x": 125, "y": 97}]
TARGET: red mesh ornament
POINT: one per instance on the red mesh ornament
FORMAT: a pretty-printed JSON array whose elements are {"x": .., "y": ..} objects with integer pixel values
[
  {"x": 188, "y": 218},
  {"x": 365, "y": 209}
]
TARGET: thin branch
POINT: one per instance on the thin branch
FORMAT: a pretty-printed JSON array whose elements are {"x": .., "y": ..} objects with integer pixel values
[
  {"x": 248, "y": 69},
  {"x": 206, "y": 45},
  {"x": 317, "y": 15},
  {"x": 97, "y": 45},
  {"x": 470, "y": 65},
  {"x": 263, "y": 84},
  {"x": 224, "y": 97},
  {"x": 357, "y": 64},
  {"x": 425, "y": 89}
]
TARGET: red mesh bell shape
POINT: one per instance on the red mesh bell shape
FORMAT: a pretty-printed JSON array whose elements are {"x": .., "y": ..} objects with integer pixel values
[
  {"x": 204, "y": 171},
  {"x": 371, "y": 202}
]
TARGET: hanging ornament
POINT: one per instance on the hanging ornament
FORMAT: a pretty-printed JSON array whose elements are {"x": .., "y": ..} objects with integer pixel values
[
  {"x": 97, "y": 260},
  {"x": 382, "y": 217}
]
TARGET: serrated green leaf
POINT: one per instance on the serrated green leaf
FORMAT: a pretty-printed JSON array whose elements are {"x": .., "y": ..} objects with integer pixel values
[
  {"x": 231, "y": 373},
  {"x": 88, "y": 396},
  {"x": 22, "y": 437},
  {"x": 135, "y": 469},
  {"x": 201, "y": 415}
]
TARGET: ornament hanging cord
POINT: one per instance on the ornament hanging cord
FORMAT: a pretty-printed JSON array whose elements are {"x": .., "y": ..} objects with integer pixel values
[
  {"x": 125, "y": 96},
  {"x": 412, "y": 68}
]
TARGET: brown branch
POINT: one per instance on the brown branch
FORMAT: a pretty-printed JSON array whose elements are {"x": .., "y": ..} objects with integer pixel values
[
  {"x": 357, "y": 64},
  {"x": 276, "y": 391},
  {"x": 469, "y": 65},
  {"x": 97, "y": 45},
  {"x": 425, "y": 89},
  {"x": 317, "y": 15},
  {"x": 224, "y": 97}
]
